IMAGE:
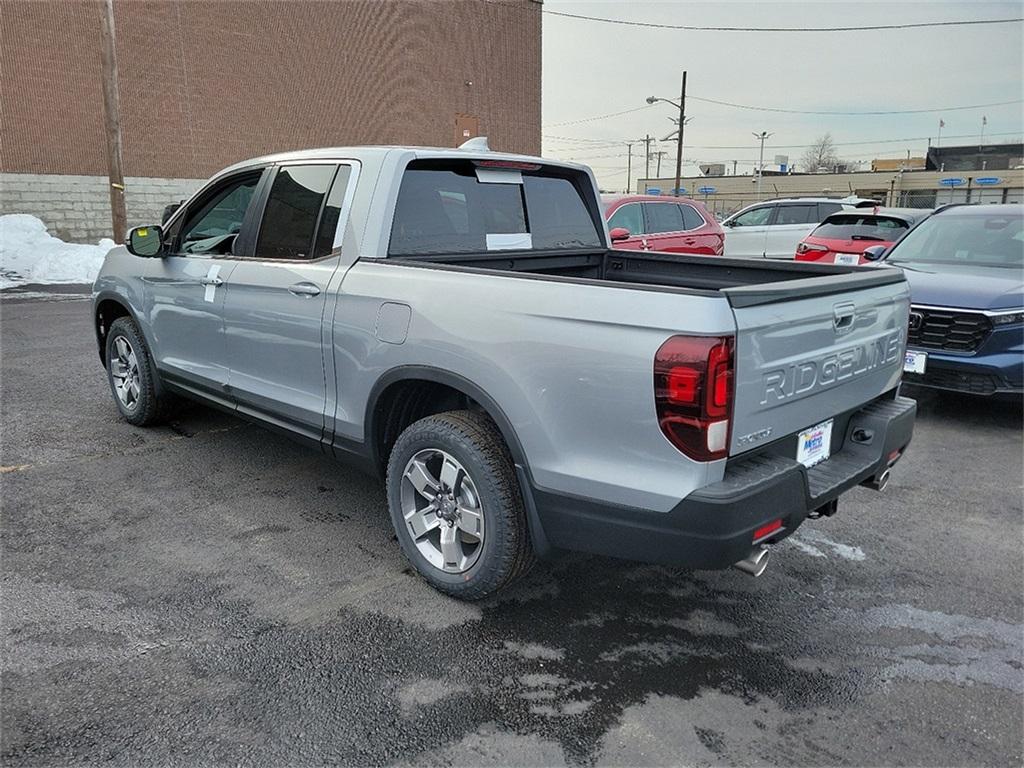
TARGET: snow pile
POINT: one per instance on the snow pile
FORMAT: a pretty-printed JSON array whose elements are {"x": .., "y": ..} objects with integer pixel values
[{"x": 29, "y": 254}]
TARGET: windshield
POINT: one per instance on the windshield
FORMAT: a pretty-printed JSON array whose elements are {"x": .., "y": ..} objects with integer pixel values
[
  {"x": 860, "y": 226},
  {"x": 995, "y": 239}
]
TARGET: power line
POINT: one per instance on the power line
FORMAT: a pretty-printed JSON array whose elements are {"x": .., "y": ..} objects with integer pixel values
[
  {"x": 877, "y": 112},
  {"x": 804, "y": 146},
  {"x": 599, "y": 117},
  {"x": 864, "y": 28}
]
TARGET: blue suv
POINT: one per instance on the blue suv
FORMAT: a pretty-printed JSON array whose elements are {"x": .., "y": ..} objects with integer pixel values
[{"x": 965, "y": 266}]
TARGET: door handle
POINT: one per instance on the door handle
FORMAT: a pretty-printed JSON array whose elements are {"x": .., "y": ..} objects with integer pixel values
[
  {"x": 304, "y": 289},
  {"x": 210, "y": 281}
]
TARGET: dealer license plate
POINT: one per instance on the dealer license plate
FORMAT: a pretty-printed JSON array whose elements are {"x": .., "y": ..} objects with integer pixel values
[
  {"x": 814, "y": 444},
  {"x": 848, "y": 259},
  {"x": 914, "y": 362}
]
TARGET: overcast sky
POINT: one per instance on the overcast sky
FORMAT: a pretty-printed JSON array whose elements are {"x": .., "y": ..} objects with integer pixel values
[{"x": 592, "y": 68}]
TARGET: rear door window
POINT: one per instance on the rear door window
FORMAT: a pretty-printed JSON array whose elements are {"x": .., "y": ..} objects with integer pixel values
[
  {"x": 691, "y": 219},
  {"x": 859, "y": 226},
  {"x": 804, "y": 213},
  {"x": 292, "y": 211},
  {"x": 663, "y": 217},
  {"x": 443, "y": 207}
]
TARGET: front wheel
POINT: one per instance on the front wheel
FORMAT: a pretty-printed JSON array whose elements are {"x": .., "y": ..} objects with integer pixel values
[
  {"x": 132, "y": 375},
  {"x": 455, "y": 504}
]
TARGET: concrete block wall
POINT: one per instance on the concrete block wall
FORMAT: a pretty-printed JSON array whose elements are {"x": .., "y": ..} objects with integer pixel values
[{"x": 77, "y": 208}]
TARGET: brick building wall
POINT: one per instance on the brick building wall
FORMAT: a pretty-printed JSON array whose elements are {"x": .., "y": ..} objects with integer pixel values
[{"x": 205, "y": 84}]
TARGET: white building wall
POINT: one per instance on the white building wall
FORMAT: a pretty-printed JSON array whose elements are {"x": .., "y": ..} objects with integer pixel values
[{"x": 77, "y": 208}]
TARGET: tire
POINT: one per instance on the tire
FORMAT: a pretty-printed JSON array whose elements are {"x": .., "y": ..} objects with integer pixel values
[
  {"x": 491, "y": 534},
  {"x": 140, "y": 403}
]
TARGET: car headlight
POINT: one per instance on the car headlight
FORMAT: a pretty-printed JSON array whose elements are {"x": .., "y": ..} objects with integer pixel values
[{"x": 1007, "y": 318}]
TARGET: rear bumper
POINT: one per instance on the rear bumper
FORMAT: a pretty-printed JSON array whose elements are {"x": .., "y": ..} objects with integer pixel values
[{"x": 714, "y": 527}]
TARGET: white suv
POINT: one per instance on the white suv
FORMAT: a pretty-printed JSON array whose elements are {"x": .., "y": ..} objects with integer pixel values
[{"x": 773, "y": 229}]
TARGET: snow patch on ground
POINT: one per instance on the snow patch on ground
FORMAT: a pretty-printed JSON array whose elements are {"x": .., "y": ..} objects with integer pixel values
[
  {"x": 29, "y": 254},
  {"x": 813, "y": 543}
]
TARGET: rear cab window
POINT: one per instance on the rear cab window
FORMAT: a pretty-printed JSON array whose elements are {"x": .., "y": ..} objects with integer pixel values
[
  {"x": 447, "y": 207},
  {"x": 860, "y": 226}
]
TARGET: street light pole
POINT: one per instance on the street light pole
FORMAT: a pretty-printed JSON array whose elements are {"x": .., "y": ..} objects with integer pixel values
[
  {"x": 679, "y": 138},
  {"x": 760, "y": 163}
]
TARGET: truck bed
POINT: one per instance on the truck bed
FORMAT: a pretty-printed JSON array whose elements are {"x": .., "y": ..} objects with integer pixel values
[{"x": 746, "y": 282}]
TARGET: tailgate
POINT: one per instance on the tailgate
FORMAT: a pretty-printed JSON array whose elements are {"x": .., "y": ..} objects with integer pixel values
[{"x": 805, "y": 354}]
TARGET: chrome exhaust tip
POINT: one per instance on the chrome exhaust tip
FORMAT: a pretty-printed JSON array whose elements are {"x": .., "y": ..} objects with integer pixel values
[
  {"x": 754, "y": 563},
  {"x": 878, "y": 483}
]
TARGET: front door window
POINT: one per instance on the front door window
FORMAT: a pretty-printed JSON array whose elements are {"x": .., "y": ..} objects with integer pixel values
[{"x": 218, "y": 220}]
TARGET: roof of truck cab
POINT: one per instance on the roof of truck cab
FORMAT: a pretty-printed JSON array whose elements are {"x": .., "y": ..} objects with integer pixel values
[{"x": 379, "y": 151}]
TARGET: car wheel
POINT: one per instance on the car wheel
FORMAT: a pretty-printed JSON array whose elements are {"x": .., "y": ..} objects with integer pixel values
[
  {"x": 456, "y": 506},
  {"x": 132, "y": 376}
]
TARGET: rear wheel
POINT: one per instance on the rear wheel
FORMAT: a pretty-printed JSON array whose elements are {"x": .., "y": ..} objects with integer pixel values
[
  {"x": 132, "y": 376},
  {"x": 455, "y": 504}
]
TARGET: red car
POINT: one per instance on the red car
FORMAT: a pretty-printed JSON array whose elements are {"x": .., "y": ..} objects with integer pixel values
[
  {"x": 654, "y": 223},
  {"x": 842, "y": 237}
]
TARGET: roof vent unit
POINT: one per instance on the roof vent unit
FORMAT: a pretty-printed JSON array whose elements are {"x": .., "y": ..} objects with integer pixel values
[{"x": 476, "y": 144}]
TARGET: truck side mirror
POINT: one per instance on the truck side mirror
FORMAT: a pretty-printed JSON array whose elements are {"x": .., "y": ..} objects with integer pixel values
[
  {"x": 619, "y": 233},
  {"x": 146, "y": 241},
  {"x": 875, "y": 252}
]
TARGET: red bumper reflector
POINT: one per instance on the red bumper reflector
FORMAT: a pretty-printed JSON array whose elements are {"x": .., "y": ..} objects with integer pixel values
[
  {"x": 894, "y": 455},
  {"x": 767, "y": 528}
]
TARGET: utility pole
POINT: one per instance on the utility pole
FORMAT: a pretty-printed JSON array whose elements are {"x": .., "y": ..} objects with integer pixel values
[
  {"x": 629, "y": 168},
  {"x": 659, "y": 154},
  {"x": 760, "y": 163},
  {"x": 112, "y": 113},
  {"x": 647, "y": 146},
  {"x": 734, "y": 163},
  {"x": 679, "y": 138}
]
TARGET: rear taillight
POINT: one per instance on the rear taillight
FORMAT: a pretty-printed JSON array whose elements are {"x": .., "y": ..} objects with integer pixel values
[
  {"x": 807, "y": 247},
  {"x": 693, "y": 382}
]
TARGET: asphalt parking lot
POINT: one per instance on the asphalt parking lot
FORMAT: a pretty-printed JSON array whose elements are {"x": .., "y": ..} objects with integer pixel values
[{"x": 208, "y": 592}]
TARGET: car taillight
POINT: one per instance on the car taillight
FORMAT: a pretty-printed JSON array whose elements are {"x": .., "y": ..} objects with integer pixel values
[
  {"x": 693, "y": 388},
  {"x": 805, "y": 247}
]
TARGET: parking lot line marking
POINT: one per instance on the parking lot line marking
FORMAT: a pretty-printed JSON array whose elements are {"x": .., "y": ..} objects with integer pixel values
[{"x": 14, "y": 468}]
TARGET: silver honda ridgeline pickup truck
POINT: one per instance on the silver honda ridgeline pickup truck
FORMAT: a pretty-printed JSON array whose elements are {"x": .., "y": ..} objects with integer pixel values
[{"x": 455, "y": 321}]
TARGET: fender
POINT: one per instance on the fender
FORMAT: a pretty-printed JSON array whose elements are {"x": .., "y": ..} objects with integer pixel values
[
  {"x": 126, "y": 304},
  {"x": 541, "y": 545}
]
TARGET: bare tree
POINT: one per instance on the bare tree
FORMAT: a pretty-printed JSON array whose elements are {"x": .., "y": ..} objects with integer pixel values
[{"x": 820, "y": 155}]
